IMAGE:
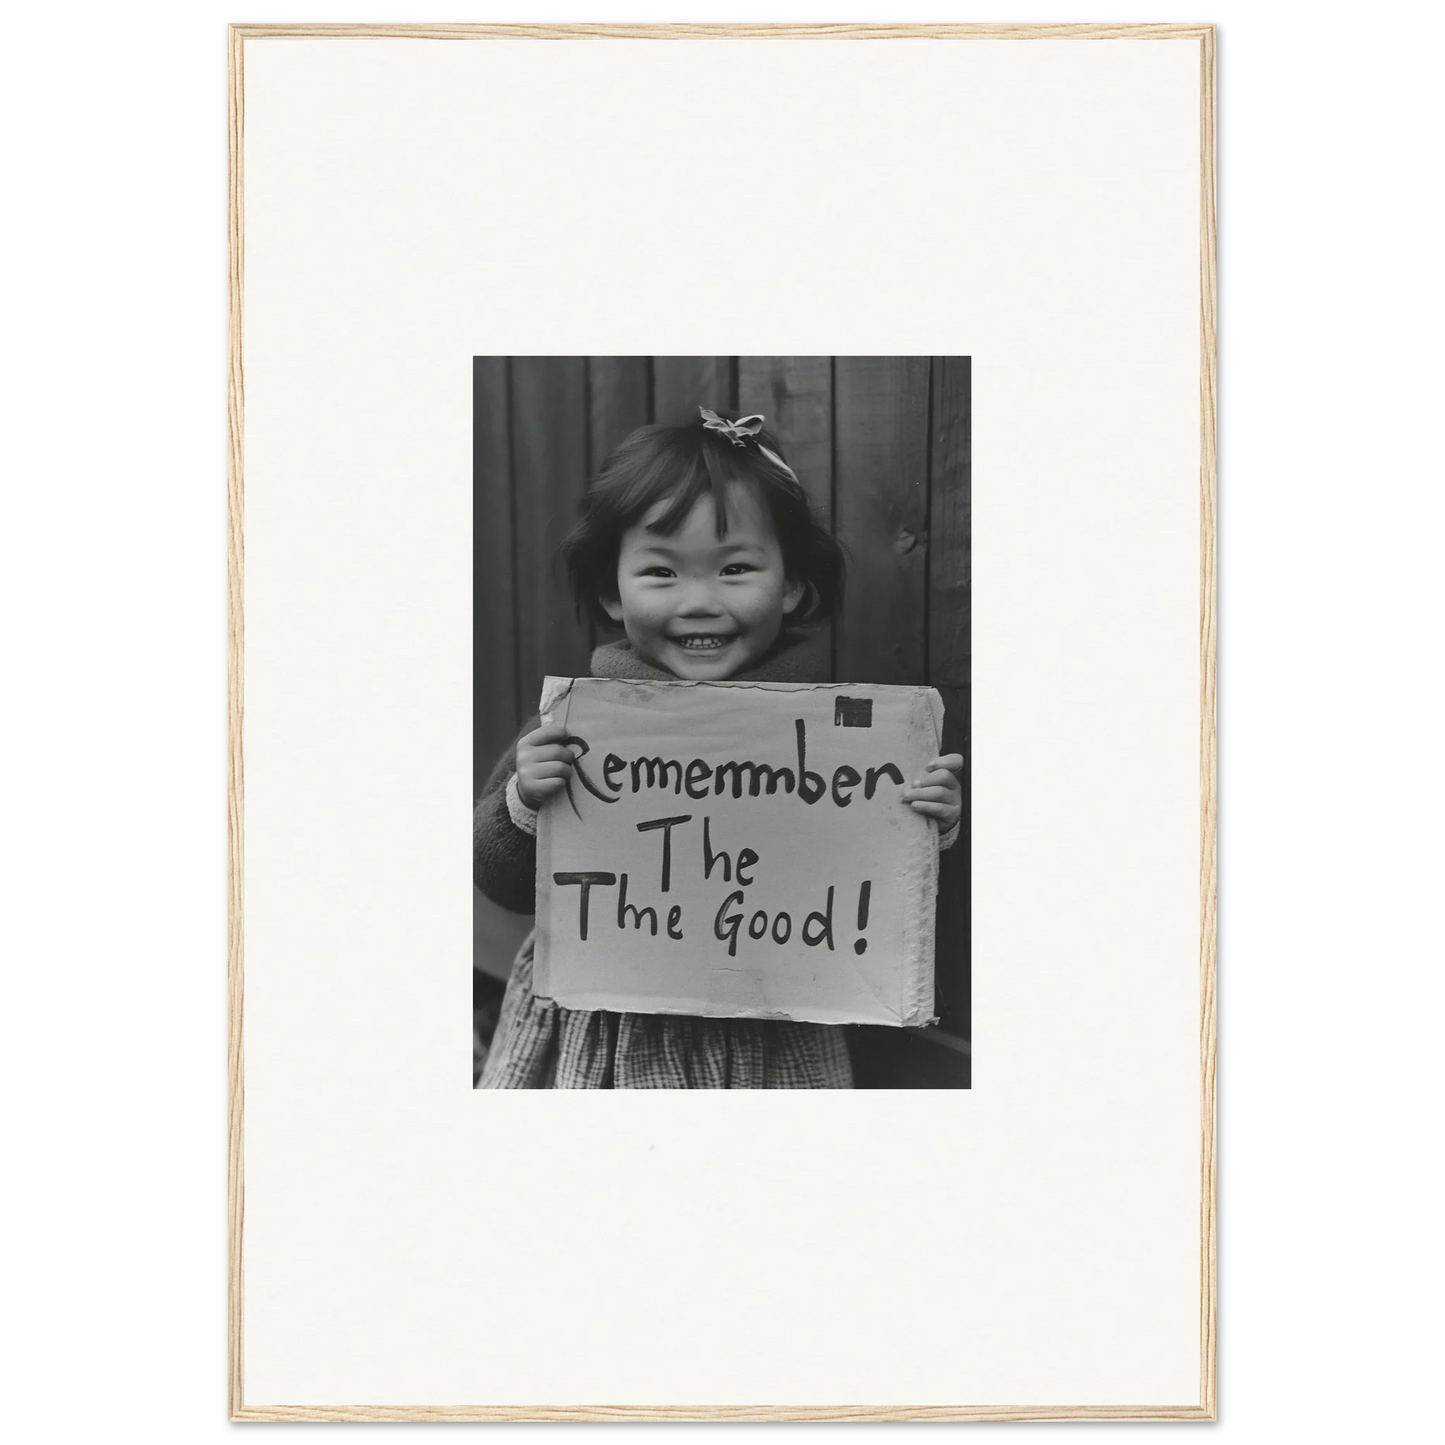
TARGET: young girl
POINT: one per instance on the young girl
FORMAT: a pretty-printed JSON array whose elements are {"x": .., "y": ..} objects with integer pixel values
[{"x": 699, "y": 542}]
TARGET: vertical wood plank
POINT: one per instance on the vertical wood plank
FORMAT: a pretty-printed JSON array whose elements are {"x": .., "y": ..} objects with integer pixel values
[
  {"x": 619, "y": 398},
  {"x": 494, "y": 655},
  {"x": 795, "y": 395},
  {"x": 952, "y": 976},
  {"x": 881, "y": 516},
  {"x": 949, "y": 657},
  {"x": 618, "y": 388},
  {"x": 549, "y": 473},
  {"x": 949, "y": 550},
  {"x": 681, "y": 384}
]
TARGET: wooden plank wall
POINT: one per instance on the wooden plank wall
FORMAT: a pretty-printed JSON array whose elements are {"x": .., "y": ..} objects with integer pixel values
[{"x": 882, "y": 446}]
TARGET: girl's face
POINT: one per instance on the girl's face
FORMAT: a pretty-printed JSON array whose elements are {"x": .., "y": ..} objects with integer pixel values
[{"x": 700, "y": 606}]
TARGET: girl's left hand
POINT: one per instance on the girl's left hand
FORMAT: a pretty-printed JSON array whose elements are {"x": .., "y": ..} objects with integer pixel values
[{"x": 938, "y": 793}]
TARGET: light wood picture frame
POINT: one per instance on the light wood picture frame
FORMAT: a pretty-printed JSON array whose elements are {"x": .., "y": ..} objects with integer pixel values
[{"x": 243, "y": 1404}]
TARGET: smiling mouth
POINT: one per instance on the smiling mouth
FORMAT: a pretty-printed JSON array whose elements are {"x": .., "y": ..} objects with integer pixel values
[{"x": 702, "y": 642}]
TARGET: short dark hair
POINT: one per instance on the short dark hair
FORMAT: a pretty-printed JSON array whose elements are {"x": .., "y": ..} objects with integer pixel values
[{"x": 680, "y": 465}]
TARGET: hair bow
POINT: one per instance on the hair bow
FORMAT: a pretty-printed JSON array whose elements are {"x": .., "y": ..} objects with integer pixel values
[{"x": 737, "y": 432}]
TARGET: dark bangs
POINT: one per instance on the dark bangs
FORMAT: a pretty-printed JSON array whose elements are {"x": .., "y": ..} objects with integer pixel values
[{"x": 679, "y": 465}]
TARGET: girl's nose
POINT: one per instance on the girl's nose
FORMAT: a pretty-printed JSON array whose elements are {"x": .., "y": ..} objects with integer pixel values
[{"x": 699, "y": 601}]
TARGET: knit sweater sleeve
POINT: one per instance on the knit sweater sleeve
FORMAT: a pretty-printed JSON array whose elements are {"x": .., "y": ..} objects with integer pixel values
[{"x": 504, "y": 858}]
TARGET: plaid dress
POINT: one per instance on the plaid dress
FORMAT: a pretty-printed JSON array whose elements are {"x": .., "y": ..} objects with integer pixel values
[{"x": 540, "y": 1045}]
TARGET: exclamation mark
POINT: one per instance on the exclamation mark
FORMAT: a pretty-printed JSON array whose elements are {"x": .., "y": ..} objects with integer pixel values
[{"x": 864, "y": 889}]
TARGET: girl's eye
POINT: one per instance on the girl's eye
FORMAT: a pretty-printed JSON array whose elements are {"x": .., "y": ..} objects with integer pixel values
[
  {"x": 657, "y": 572},
  {"x": 736, "y": 569}
]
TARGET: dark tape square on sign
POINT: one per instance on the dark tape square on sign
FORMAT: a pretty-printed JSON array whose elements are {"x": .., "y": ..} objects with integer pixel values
[{"x": 853, "y": 712}]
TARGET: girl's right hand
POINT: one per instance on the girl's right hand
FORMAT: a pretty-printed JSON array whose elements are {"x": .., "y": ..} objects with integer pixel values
[{"x": 544, "y": 765}]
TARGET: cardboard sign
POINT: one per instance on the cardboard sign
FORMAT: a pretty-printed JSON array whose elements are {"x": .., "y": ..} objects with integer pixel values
[{"x": 740, "y": 850}]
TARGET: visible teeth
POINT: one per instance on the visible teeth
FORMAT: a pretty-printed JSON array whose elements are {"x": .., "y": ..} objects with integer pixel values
[{"x": 701, "y": 642}]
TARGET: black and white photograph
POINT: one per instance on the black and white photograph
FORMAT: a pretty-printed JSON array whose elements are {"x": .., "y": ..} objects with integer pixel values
[{"x": 721, "y": 722}]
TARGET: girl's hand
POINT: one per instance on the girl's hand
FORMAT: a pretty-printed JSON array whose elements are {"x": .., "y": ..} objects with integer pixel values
[
  {"x": 938, "y": 793},
  {"x": 544, "y": 766}
]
